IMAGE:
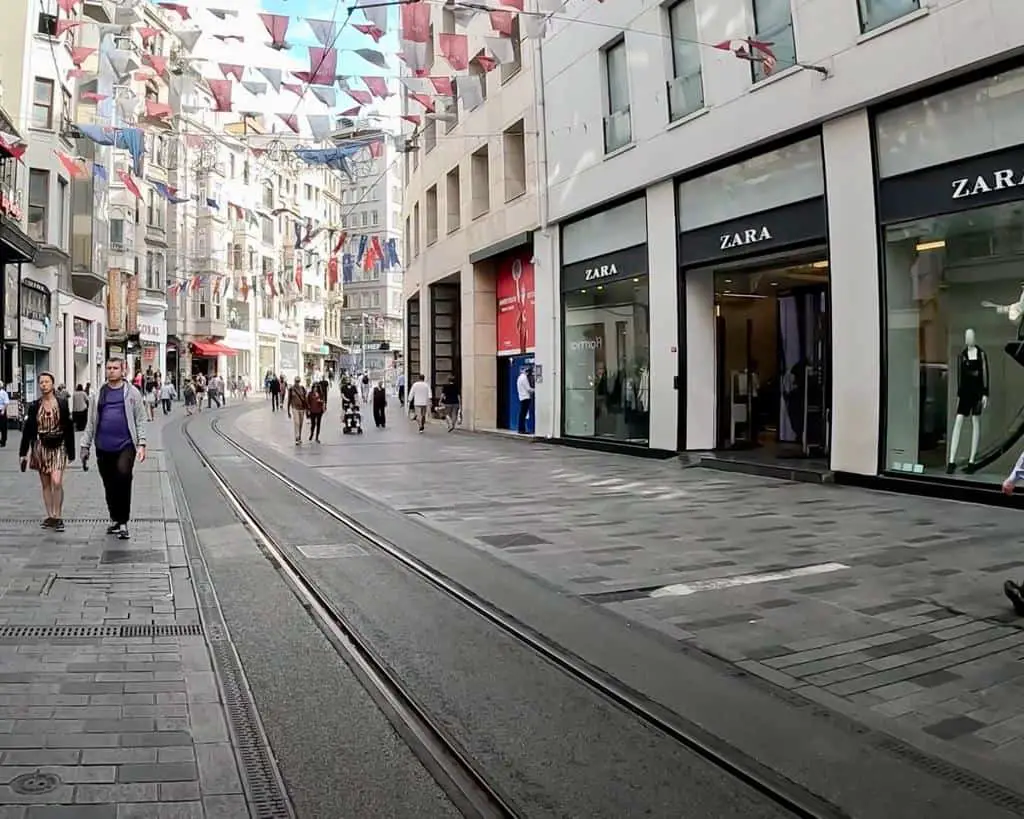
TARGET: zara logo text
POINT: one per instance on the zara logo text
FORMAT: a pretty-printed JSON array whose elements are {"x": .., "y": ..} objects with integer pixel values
[
  {"x": 602, "y": 272},
  {"x": 748, "y": 237},
  {"x": 962, "y": 188}
]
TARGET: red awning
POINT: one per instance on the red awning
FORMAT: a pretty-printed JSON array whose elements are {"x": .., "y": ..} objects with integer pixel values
[{"x": 211, "y": 349}]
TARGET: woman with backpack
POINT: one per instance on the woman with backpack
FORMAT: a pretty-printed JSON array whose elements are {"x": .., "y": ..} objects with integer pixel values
[
  {"x": 48, "y": 446},
  {"x": 316, "y": 405}
]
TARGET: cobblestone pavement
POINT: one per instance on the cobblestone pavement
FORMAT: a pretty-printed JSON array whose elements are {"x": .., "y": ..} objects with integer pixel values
[
  {"x": 109, "y": 707},
  {"x": 884, "y": 606}
]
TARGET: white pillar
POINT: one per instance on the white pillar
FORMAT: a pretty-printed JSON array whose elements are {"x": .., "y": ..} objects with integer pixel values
[
  {"x": 664, "y": 321},
  {"x": 853, "y": 272},
  {"x": 547, "y": 332},
  {"x": 700, "y": 359}
]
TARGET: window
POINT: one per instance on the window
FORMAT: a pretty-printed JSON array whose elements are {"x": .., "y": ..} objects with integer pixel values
[
  {"x": 38, "y": 200},
  {"x": 375, "y": 299},
  {"x": 479, "y": 183},
  {"x": 618, "y": 130},
  {"x": 364, "y": 217},
  {"x": 117, "y": 234},
  {"x": 156, "y": 210},
  {"x": 408, "y": 237},
  {"x": 773, "y": 22},
  {"x": 47, "y": 24},
  {"x": 416, "y": 229},
  {"x": 450, "y": 108},
  {"x": 875, "y": 13},
  {"x": 268, "y": 195},
  {"x": 514, "y": 148},
  {"x": 374, "y": 217},
  {"x": 686, "y": 88},
  {"x": 42, "y": 103},
  {"x": 476, "y": 69},
  {"x": 430, "y": 135},
  {"x": 509, "y": 70},
  {"x": 431, "y": 205},
  {"x": 62, "y": 213},
  {"x": 267, "y": 230},
  {"x": 453, "y": 198}
]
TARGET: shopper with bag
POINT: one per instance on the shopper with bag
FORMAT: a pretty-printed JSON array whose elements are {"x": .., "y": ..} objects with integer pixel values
[{"x": 47, "y": 446}]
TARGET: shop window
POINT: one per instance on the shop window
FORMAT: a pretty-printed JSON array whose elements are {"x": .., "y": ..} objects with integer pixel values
[
  {"x": 38, "y": 203},
  {"x": 955, "y": 344},
  {"x": 875, "y": 13},
  {"x": 686, "y": 88},
  {"x": 480, "y": 183},
  {"x": 514, "y": 149},
  {"x": 618, "y": 129},
  {"x": 773, "y": 23},
  {"x": 453, "y": 199},
  {"x": 607, "y": 361},
  {"x": 42, "y": 103}
]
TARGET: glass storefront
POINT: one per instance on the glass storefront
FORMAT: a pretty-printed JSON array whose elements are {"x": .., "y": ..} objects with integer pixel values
[
  {"x": 607, "y": 361},
  {"x": 951, "y": 204}
]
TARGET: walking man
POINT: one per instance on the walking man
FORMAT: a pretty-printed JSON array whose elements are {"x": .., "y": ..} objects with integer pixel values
[
  {"x": 524, "y": 387},
  {"x": 419, "y": 400},
  {"x": 401, "y": 389},
  {"x": 297, "y": 402},
  {"x": 450, "y": 399},
  {"x": 117, "y": 424},
  {"x": 274, "y": 388}
]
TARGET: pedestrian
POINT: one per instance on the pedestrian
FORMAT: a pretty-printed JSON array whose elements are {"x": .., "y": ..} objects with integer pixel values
[
  {"x": 525, "y": 388},
  {"x": 191, "y": 397},
  {"x": 5, "y": 399},
  {"x": 316, "y": 405},
  {"x": 380, "y": 406},
  {"x": 117, "y": 425},
  {"x": 419, "y": 400},
  {"x": 365, "y": 387},
  {"x": 297, "y": 402},
  {"x": 450, "y": 400},
  {"x": 79, "y": 407},
  {"x": 167, "y": 395},
  {"x": 274, "y": 388},
  {"x": 200, "y": 384},
  {"x": 151, "y": 401},
  {"x": 47, "y": 446},
  {"x": 401, "y": 389},
  {"x": 1013, "y": 590}
]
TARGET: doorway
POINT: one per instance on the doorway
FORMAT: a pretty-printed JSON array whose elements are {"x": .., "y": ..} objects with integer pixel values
[{"x": 773, "y": 359}]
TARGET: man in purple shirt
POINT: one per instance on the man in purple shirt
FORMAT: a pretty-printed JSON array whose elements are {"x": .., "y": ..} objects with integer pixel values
[{"x": 117, "y": 425}]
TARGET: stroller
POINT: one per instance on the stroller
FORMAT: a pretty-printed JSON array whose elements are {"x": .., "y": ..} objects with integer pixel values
[{"x": 351, "y": 417}]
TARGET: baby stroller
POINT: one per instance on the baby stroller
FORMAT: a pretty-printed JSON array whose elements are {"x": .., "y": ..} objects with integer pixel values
[{"x": 351, "y": 417}]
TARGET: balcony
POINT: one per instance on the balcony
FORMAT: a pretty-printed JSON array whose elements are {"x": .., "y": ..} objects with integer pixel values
[
  {"x": 618, "y": 130},
  {"x": 102, "y": 11},
  {"x": 206, "y": 327},
  {"x": 156, "y": 235}
]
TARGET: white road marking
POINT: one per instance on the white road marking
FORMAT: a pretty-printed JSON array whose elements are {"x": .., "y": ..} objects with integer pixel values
[
  {"x": 718, "y": 583},
  {"x": 607, "y": 482}
]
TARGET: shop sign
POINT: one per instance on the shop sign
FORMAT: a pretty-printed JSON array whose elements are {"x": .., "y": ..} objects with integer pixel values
[
  {"x": 80, "y": 329},
  {"x": 35, "y": 332},
  {"x": 612, "y": 267},
  {"x": 800, "y": 223},
  {"x": 268, "y": 341},
  {"x": 152, "y": 333},
  {"x": 974, "y": 182}
]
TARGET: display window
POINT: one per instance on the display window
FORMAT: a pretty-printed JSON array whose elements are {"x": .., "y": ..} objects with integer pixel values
[
  {"x": 607, "y": 361},
  {"x": 955, "y": 344}
]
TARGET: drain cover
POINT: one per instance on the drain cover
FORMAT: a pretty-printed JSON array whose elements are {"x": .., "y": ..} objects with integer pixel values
[{"x": 35, "y": 783}]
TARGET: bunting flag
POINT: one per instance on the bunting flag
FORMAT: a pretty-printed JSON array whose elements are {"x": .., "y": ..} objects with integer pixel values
[
  {"x": 75, "y": 166},
  {"x": 291, "y": 121},
  {"x": 180, "y": 10},
  {"x": 347, "y": 268},
  {"x": 488, "y": 64},
  {"x": 221, "y": 90},
  {"x": 756, "y": 51},
  {"x": 325, "y": 31},
  {"x": 332, "y": 272},
  {"x": 373, "y": 56},
  {"x": 157, "y": 110},
  {"x": 443, "y": 86},
  {"x": 12, "y": 146},
  {"x": 370, "y": 30},
  {"x": 298, "y": 272},
  {"x": 129, "y": 183},
  {"x": 342, "y": 238},
  {"x": 67, "y": 6},
  {"x": 423, "y": 100},
  {"x": 231, "y": 70},
  {"x": 277, "y": 28},
  {"x": 362, "y": 97},
  {"x": 502, "y": 22},
  {"x": 323, "y": 63},
  {"x": 168, "y": 193},
  {"x": 245, "y": 288},
  {"x": 378, "y": 86},
  {"x": 79, "y": 54},
  {"x": 66, "y": 25},
  {"x": 295, "y": 88},
  {"x": 155, "y": 61},
  {"x": 195, "y": 283},
  {"x": 100, "y": 172},
  {"x": 147, "y": 33},
  {"x": 455, "y": 49}
]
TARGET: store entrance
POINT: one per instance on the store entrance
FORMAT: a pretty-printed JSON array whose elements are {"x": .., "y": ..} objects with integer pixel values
[{"x": 773, "y": 360}]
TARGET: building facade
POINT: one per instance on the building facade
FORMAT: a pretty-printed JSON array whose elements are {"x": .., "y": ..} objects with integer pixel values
[
  {"x": 804, "y": 255},
  {"x": 470, "y": 211}
]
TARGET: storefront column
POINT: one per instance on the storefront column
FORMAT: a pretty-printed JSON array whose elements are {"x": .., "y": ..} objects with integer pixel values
[
  {"x": 700, "y": 359},
  {"x": 853, "y": 265},
  {"x": 547, "y": 333},
  {"x": 426, "y": 354},
  {"x": 661, "y": 253},
  {"x": 479, "y": 346}
]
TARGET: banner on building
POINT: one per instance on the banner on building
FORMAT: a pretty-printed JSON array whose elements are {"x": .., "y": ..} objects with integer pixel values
[
  {"x": 132, "y": 308},
  {"x": 516, "y": 300},
  {"x": 115, "y": 323}
]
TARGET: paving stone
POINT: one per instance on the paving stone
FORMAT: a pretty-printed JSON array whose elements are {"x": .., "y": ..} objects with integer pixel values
[
  {"x": 179, "y": 792},
  {"x": 71, "y": 812},
  {"x": 158, "y": 772},
  {"x": 118, "y": 756},
  {"x": 113, "y": 794},
  {"x": 218, "y": 772},
  {"x": 954, "y": 727},
  {"x": 225, "y": 807}
]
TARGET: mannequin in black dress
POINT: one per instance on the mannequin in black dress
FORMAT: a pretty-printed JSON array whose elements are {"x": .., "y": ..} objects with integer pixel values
[{"x": 972, "y": 399}]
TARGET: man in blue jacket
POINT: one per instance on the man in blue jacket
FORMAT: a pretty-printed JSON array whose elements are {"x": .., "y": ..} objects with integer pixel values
[{"x": 117, "y": 424}]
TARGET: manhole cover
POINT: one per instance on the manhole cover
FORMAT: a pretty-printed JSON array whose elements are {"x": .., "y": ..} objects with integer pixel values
[{"x": 35, "y": 783}]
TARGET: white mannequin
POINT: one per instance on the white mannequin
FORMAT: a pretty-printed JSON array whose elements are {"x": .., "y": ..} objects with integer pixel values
[
  {"x": 1012, "y": 311},
  {"x": 973, "y": 353}
]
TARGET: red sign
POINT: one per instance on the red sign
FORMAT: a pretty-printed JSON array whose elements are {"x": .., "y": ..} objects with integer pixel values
[{"x": 516, "y": 299}]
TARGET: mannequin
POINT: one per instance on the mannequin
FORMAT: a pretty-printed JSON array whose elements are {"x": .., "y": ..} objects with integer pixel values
[
  {"x": 1015, "y": 313},
  {"x": 972, "y": 399}
]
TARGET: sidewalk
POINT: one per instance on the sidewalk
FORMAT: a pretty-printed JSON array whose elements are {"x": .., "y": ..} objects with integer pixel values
[
  {"x": 886, "y": 607},
  {"x": 109, "y": 706}
]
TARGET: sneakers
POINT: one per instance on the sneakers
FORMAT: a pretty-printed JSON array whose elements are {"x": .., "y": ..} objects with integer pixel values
[
  {"x": 47, "y": 523},
  {"x": 58, "y": 525},
  {"x": 113, "y": 528},
  {"x": 1014, "y": 592},
  {"x": 122, "y": 532}
]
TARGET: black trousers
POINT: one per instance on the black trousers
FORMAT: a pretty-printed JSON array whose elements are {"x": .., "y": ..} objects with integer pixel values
[
  {"x": 275, "y": 401},
  {"x": 524, "y": 410},
  {"x": 116, "y": 471},
  {"x": 80, "y": 419},
  {"x": 379, "y": 415},
  {"x": 314, "y": 425},
  {"x": 3, "y": 428},
  {"x": 167, "y": 405}
]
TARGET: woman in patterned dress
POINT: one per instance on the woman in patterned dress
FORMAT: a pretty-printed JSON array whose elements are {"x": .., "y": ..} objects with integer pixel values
[{"x": 48, "y": 445}]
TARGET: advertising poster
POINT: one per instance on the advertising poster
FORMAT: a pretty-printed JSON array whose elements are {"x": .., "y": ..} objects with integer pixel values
[{"x": 516, "y": 299}]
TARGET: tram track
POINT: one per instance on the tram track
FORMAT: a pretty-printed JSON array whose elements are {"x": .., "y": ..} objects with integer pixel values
[{"x": 457, "y": 773}]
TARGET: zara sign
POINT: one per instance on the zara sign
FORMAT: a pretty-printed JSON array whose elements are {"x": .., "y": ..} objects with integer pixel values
[{"x": 619, "y": 265}]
